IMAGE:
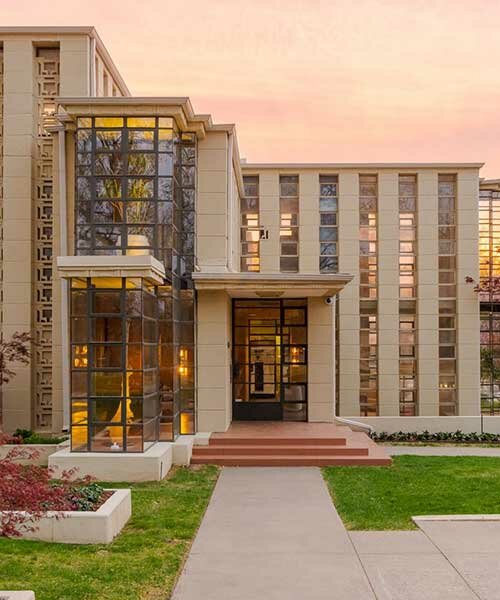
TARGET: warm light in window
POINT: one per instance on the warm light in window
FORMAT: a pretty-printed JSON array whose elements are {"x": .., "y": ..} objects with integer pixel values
[
  {"x": 294, "y": 354},
  {"x": 183, "y": 359},
  {"x": 80, "y": 359}
]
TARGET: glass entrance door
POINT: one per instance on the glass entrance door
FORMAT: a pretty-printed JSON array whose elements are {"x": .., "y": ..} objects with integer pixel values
[{"x": 270, "y": 360}]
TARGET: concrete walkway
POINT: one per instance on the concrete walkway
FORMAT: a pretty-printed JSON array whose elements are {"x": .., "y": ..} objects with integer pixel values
[
  {"x": 274, "y": 534},
  {"x": 441, "y": 450}
]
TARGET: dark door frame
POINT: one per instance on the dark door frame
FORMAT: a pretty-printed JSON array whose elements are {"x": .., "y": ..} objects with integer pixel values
[{"x": 268, "y": 411}]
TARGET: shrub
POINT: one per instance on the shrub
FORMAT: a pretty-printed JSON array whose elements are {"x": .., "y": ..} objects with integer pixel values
[
  {"x": 27, "y": 492},
  {"x": 26, "y": 436},
  {"x": 442, "y": 436}
]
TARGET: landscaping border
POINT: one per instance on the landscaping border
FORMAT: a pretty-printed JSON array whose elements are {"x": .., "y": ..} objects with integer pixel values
[
  {"x": 85, "y": 527},
  {"x": 41, "y": 452}
]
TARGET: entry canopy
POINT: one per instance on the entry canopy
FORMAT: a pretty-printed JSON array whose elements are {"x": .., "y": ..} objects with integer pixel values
[
  {"x": 275, "y": 285},
  {"x": 143, "y": 266}
]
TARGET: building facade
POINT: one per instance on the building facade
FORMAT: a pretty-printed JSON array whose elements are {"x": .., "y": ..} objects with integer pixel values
[
  {"x": 489, "y": 271},
  {"x": 171, "y": 287}
]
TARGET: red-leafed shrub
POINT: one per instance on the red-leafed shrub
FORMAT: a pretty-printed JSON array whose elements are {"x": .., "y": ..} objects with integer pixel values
[{"x": 27, "y": 492}]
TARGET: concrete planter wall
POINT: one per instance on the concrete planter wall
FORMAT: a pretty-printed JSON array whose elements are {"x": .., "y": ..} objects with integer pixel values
[
  {"x": 79, "y": 527},
  {"x": 43, "y": 451},
  {"x": 433, "y": 424}
]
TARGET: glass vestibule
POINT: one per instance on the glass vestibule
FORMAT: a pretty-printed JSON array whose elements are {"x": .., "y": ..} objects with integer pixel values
[
  {"x": 135, "y": 194},
  {"x": 114, "y": 365},
  {"x": 270, "y": 360}
]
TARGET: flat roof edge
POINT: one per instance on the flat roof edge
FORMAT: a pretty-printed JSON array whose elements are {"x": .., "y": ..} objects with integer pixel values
[
  {"x": 50, "y": 29},
  {"x": 389, "y": 165},
  {"x": 89, "y": 30}
]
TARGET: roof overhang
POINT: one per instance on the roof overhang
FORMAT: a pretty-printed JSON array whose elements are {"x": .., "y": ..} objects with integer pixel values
[
  {"x": 272, "y": 285},
  {"x": 246, "y": 166},
  {"x": 143, "y": 266},
  {"x": 55, "y": 34}
]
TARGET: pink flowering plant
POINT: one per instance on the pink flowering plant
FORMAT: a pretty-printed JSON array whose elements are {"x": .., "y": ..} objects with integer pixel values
[{"x": 28, "y": 492}]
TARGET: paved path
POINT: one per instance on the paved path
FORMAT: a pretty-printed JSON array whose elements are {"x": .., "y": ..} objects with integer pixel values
[
  {"x": 441, "y": 450},
  {"x": 274, "y": 534}
]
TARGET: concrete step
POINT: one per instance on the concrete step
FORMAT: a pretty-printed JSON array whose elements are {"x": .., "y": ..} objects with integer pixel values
[
  {"x": 231, "y": 460},
  {"x": 279, "y": 450},
  {"x": 229, "y": 440}
]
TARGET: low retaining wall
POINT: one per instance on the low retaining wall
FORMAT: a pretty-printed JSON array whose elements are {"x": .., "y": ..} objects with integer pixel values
[
  {"x": 79, "y": 527},
  {"x": 43, "y": 452},
  {"x": 5, "y": 595},
  {"x": 432, "y": 424},
  {"x": 152, "y": 465}
]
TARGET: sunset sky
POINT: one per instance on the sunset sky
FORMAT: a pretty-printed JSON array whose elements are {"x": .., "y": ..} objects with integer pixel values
[{"x": 317, "y": 80}]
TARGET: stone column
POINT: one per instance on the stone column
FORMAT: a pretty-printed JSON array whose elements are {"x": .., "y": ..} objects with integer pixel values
[
  {"x": 19, "y": 131},
  {"x": 468, "y": 363},
  {"x": 309, "y": 222},
  {"x": 213, "y": 361},
  {"x": 270, "y": 221},
  {"x": 388, "y": 294},
  {"x": 320, "y": 368},
  {"x": 348, "y": 299},
  {"x": 427, "y": 294}
]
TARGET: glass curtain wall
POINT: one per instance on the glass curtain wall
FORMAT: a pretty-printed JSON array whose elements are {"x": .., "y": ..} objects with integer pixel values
[
  {"x": 489, "y": 270},
  {"x": 407, "y": 295},
  {"x": 114, "y": 378},
  {"x": 250, "y": 225},
  {"x": 289, "y": 223},
  {"x": 135, "y": 195},
  {"x": 447, "y": 190},
  {"x": 328, "y": 224},
  {"x": 368, "y": 293}
]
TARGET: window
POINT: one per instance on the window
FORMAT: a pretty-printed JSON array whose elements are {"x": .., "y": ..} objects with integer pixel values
[
  {"x": 135, "y": 195},
  {"x": 489, "y": 265},
  {"x": 407, "y": 295},
  {"x": 124, "y": 186},
  {"x": 114, "y": 365},
  {"x": 368, "y": 191},
  {"x": 447, "y": 188},
  {"x": 328, "y": 224},
  {"x": 250, "y": 225},
  {"x": 289, "y": 223}
]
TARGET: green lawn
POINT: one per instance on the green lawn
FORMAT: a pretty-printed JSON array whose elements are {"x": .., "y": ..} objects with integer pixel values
[
  {"x": 387, "y": 497},
  {"x": 141, "y": 564}
]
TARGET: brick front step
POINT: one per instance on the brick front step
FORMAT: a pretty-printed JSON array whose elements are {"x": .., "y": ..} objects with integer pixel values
[
  {"x": 224, "y": 439},
  {"x": 278, "y": 450},
  {"x": 289, "y": 461}
]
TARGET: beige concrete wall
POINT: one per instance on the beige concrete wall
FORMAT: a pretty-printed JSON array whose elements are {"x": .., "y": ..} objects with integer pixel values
[
  {"x": 348, "y": 299},
  {"x": 388, "y": 279},
  {"x": 211, "y": 212},
  {"x": 235, "y": 246},
  {"x": 468, "y": 424},
  {"x": 468, "y": 359},
  {"x": 309, "y": 222},
  {"x": 320, "y": 371},
  {"x": 19, "y": 130},
  {"x": 19, "y": 149},
  {"x": 214, "y": 361},
  {"x": 75, "y": 66},
  {"x": 270, "y": 221},
  {"x": 427, "y": 294},
  {"x": 388, "y": 293}
]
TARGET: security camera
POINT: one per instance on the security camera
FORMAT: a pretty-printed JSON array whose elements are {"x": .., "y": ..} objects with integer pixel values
[{"x": 329, "y": 300}]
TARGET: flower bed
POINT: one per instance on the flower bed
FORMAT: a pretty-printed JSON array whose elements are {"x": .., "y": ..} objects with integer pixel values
[
  {"x": 26, "y": 436},
  {"x": 457, "y": 437},
  {"x": 99, "y": 526},
  {"x": 36, "y": 506},
  {"x": 36, "y": 448}
]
